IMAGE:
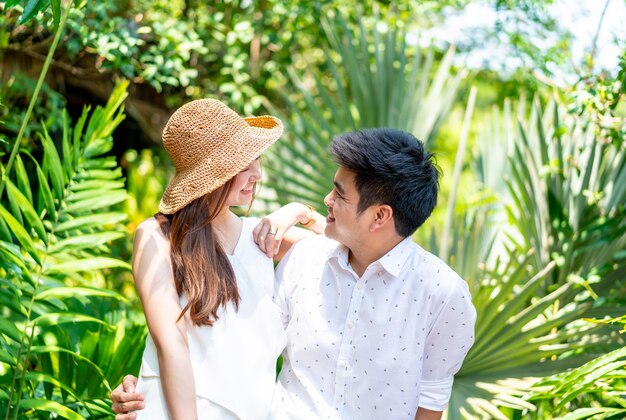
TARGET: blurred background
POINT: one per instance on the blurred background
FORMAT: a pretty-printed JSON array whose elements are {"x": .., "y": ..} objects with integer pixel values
[{"x": 522, "y": 101}]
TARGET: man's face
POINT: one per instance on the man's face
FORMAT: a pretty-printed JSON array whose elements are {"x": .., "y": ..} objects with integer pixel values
[{"x": 344, "y": 224}]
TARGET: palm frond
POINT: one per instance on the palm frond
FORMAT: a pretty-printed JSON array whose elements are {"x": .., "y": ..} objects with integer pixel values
[
  {"x": 555, "y": 250},
  {"x": 53, "y": 253}
]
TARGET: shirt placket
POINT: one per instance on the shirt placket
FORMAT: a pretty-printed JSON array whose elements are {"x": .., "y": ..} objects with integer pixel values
[{"x": 343, "y": 368}]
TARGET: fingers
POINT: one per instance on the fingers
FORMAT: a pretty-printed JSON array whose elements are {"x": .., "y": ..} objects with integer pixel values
[
  {"x": 265, "y": 237},
  {"x": 278, "y": 238},
  {"x": 129, "y": 383},
  {"x": 272, "y": 242},
  {"x": 126, "y": 416},
  {"x": 125, "y": 399},
  {"x": 115, "y": 394},
  {"x": 260, "y": 231},
  {"x": 128, "y": 402},
  {"x": 257, "y": 230}
]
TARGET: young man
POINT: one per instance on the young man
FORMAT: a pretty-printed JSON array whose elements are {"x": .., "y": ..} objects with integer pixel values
[{"x": 376, "y": 326}]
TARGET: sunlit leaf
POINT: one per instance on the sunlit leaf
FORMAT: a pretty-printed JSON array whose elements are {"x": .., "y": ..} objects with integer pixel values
[
  {"x": 10, "y": 330},
  {"x": 31, "y": 9},
  {"x": 64, "y": 318},
  {"x": 90, "y": 221},
  {"x": 20, "y": 233},
  {"x": 87, "y": 264},
  {"x": 71, "y": 292},
  {"x": 75, "y": 243},
  {"x": 27, "y": 210},
  {"x": 51, "y": 407},
  {"x": 22, "y": 179}
]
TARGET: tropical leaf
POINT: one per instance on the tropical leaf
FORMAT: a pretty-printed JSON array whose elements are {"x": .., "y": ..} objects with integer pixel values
[
  {"x": 72, "y": 292},
  {"x": 555, "y": 393},
  {"x": 52, "y": 407},
  {"x": 53, "y": 240},
  {"x": 554, "y": 203},
  {"x": 20, "y": 233},
  {"x": 27, "y": 210},
  {"x": 563, "y": 179}
]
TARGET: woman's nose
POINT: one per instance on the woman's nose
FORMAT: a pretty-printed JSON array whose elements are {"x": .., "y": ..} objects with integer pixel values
[{"x": 255, "y": 170}]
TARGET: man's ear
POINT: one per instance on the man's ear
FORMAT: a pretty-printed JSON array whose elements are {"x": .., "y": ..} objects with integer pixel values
[{"x": 383, "y": 217}]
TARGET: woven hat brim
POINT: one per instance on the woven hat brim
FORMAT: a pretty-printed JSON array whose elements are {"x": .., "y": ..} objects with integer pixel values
[{"x": 186, "y": 187}]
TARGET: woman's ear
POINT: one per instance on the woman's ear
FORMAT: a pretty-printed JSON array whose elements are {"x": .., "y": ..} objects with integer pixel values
[{"x": 383, "y": 217}]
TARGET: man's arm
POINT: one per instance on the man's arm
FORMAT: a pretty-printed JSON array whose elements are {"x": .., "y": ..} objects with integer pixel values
[
  {"x": 126, "y": 400},
  {"x": 446, "y": 345},
  {"x": 426, "y": 414}
]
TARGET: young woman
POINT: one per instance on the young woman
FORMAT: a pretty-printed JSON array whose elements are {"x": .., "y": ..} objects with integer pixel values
[{"x": 204, "y": 284}]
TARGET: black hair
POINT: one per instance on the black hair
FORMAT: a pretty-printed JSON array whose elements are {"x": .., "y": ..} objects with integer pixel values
[{"x": 391, "y": 167}]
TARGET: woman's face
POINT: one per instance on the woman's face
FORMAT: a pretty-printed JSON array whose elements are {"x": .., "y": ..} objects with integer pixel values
[{"x": 242, "y": 187}]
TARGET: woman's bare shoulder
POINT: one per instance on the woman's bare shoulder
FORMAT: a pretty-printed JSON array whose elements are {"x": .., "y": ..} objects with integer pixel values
[
  {"x": 150, "y": 229},
  {"x": 150, "y": 225}
]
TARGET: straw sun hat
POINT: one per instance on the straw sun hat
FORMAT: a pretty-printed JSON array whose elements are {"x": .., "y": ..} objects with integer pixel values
[{"x": 209, "y": 144}]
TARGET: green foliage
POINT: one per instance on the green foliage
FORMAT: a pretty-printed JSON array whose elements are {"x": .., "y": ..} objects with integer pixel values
[
  {"x": 147, "y": 175},
  {"x": 540, "y": 239},
  {"x": 64, "y": 338},
  {"x": 541, "y": 43},
  {"x": 236, "y": 50},
  {"x": 15, "y": 94},
  {"x": 594, "y": 390},
  {"x": 155, "y": 52},
  {"x": 561, "y": 231},
  {"x": 600, "y": 98},
  {"x": 31, "y": 8},
  {"x": 573, "y": 184}
]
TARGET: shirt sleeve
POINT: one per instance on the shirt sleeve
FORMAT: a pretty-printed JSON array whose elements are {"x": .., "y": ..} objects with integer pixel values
[{"x": 447, "y": 344}]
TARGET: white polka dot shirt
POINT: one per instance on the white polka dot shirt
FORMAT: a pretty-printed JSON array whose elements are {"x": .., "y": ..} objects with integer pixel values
[{"x": 373, "y": 347}]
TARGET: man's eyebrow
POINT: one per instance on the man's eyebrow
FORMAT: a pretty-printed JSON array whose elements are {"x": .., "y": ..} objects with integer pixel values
[{"x": 339, "y": 188}]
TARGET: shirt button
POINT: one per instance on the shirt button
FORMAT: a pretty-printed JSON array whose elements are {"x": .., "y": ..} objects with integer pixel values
[
  {"x": 359, "y": 286},
  {"x": 342, "y": 363},
  {"x": 350, "y": 325}
]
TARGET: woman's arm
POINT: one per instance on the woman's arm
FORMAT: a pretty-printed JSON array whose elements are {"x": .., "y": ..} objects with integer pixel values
[
  {"x": 154, "y": 280},
  {"x": 275, "y": 234}
]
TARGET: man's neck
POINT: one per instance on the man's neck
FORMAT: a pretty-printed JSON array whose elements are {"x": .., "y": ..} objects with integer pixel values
[{"x": 360, "y": 257}]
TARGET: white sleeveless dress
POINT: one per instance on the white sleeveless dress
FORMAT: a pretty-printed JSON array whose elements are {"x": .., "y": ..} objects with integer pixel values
[{"x": 234, "y": 361}]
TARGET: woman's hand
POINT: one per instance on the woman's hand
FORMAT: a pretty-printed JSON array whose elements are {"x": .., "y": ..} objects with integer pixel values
[{"x": 270, "y": 232}]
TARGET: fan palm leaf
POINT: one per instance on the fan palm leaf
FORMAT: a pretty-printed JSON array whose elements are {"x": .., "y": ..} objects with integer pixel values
[{"x": 534, "y": 287}]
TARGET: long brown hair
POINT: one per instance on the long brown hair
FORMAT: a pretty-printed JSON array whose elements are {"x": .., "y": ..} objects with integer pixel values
[{"x": 201, "y": 268}]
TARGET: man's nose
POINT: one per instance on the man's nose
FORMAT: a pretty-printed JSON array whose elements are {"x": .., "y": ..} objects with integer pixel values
[{"x": 329, "y": 199}]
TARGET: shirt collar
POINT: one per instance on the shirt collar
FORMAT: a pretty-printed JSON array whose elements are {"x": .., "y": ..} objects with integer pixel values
[
  {"x": 392, "y": 261},
  {"x": 340, "y": 253}
]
